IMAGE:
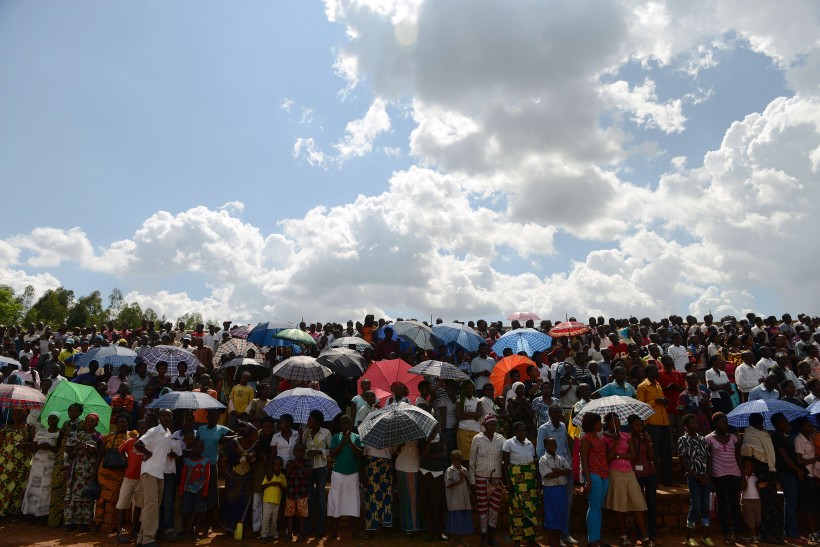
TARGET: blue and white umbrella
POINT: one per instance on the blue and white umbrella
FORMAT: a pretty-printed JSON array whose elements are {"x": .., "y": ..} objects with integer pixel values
[
  {"x": 171, "y": 355},
  {"x": 299, "y": 402},
  {"x": 188, "y": 400},
  {"x": 527, "y": 340},
  {"x": 109, "y": 355},
  {"x": 458, "y": 334},
  {"x": 739, "y": 417}
]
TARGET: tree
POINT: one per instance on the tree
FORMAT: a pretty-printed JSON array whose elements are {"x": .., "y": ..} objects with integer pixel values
[
  {"x": 191, "y": 319},
  {"x": 26, "y": 299},
  {"x": 115, "y": 302},
  {"x": 131, "y": 314},
  {"x": 150, "y": 315},
  {"x": 51, "y": 308},
  {"x": 87, "y": 310},
  {"x": 10, "y": 306}
]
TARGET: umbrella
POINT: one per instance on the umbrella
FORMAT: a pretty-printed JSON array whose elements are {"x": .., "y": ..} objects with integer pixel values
[
  {"x": 187, "y": 400},
  {"x": 301, "y": 369},
  {"x": 524, "y": 316},
  {"x": 620, "y": 405},
  {"x": 67, "y": 393},
  {"x": 12, "y": 395},
  {"x": 344, "y": 362},
  {"x": 569, "y": 328},
  {"x": 258, "y": 371},
  {"x": 262, "y": 334},
  {"x": 504, "y": 366},
  {"x": 345, "y": 341},
  {"x": 439, "y": 369},
  {"x": 396, "y": 424},
  {"x": 5, "y": 361},
  {"x": 171, "y": 355},
  {"x": 240, "y": 331},
  {"x": 295, "y": 335},
  {"x": 739, "y": 417},
  {"x": 238, "y": 348},
  {"x": 108, "y": 355},
  {"x": 383, "y": 373},
  {"x": 299, "y": 402},
  {"x": 526, "y": 340},
  {"x": 460, "y": 335},
  {"x": 416, "y": 333}
]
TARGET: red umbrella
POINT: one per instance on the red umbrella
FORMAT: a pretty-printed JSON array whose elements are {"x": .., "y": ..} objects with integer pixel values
[
  {"x": 504, "y": 366},
  {"x": 569, "y": 328},
  {"x": 523, "y": 316},
  {"x": 13, "y": 395},
  {"x": 383, "y": 373}
]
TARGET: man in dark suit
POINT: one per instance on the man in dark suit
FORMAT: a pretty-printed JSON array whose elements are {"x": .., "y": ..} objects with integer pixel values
[{"x": 594, "y": 378}]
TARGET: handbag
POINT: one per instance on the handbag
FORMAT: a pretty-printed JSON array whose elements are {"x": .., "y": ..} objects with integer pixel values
[
  {"x": 114, "y": 459},
  {"x": 92, "y": 491}
]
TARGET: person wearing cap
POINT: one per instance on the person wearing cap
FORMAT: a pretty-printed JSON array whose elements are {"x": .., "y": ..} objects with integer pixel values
[{"x": 485, "y": 476}]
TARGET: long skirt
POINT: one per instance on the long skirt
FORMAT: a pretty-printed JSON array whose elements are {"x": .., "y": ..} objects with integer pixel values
[
  {"x": 38, "y": 492},
  {"x": 488, "y": 500},
  {"x": 464, "y": 440},
  {"x": 79, "y": 509},
  {"x": 235, "y": 504},
  {"x": 14, "y": 466},
  {"x": 110, "y": 483},
  {"x": 343, "y": 498},
  {"x": 378, "y": 503},
  {"x": 555, "y": 507},
  {"x": 523, "y": 502},
  {"x": 772, "y": 507},
  {"x": 411, "y": 518},
  {"x": 57, "y": 503}
]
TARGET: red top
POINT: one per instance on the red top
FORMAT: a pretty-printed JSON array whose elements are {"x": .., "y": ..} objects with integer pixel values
[
  {"x": 134, "y": 468},
  {"x": 675, "y": 378},
  {"x": 597, "y": 455}
]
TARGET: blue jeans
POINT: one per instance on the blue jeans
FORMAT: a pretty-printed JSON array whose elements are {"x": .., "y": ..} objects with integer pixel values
[
  {"x": 649, "y": 485},
  {"x": 317, "y": 504},
  {"x": 597, "y": 494},
  {"x": 791, "y": 490},
  {"x": 698, "y": 503},
  {"x": 166, "y": 512}
]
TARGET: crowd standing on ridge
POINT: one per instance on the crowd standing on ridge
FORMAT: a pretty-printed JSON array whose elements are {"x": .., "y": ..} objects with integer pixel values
[{"x": 157, "y": 473}]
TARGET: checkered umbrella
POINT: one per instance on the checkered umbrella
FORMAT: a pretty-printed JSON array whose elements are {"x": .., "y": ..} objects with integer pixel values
[
  {"x": 396, "y": 424},
  {"x": 345, "y": 341},
  {"x": 13, "y": 395},
  {"x": 171, "y": 355},
  {"x": 439, "y": 369},
  {"x": 299, "y": 402},
  {"x": 526, "y": 340},
  {"x": 237, "y": 347},
  {"x": 109, "y": 355},
  {"x": 416, "y": 333},
  {"x": 620, "y": 405},
  {"x": 739, "y": 417},
  {"x": 187, "y": 400},
  {"x": 301, "y": 369},
  {"x": 258, "y": 371},
  {"x": 458, "y": 334}
]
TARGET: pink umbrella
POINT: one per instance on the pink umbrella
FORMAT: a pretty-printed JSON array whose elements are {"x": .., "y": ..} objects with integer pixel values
[
  {"x": 383, "y": 373},
  {"x": 524, "y": 316}
]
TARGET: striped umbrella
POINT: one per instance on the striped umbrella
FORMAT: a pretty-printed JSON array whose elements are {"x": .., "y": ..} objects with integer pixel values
[
  {"x": 301, "y": 368},
  {"x": 439, "y": 369},
  {"x": 299, "y": 402},
  {"x": 527, "y": 340},
  {"x": 620, "y": 405},
  {"x": 13, "y": 395},
  {"x": 396, "y": 424},
  {"x": 739, "y": 416},
  {"x": 460, "y": 335},
  {"x": 171, "y": 355}
]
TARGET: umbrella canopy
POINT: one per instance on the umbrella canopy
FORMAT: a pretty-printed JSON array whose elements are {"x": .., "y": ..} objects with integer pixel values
[
  {"x": 460, "y": 335},
  {"x": 526, "y": 340},
  {"x": 524, "y": 316},
  {"x": 346, "y": 341},
  {"x": 108, "y": 355},
  {"x": 295, "y": 335},
  {"x": 620, "y": 405},
  {"x": 342, "y": 361},
  {"x": 241, "y": 331},
  {"x": 258, "y": 371},
  {"x": 739, "y": 417},
  {"x": 12, "y": 395},
  {"x": 416, "y": 333},
  {"x": 569, "y": 328},
  {"x": 171, "y": 355},
  {"x": 299, "y": 402},
  {"x": 396, "y": 424},
  {"x": 4, "y": 361},
  {"x": 504, "y": 366},
  {"x": 187, "y": 400},
  {"x": 301, "y": 369},
  {"x": 237, "y": 347},
  {"x": 439, "y": 369},
  {"x": 262, "y": 334},
  {"x": 66, "y": 394},
  {"x": 383, "y": 373}
]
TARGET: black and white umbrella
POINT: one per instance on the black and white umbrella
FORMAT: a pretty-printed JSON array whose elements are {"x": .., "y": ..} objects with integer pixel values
[
  {"x": 301, "y": 369},
  {"x": 620, "y": 405},
  {"x": 396, "y": 424},
  {"x": 439, "y": 369}
]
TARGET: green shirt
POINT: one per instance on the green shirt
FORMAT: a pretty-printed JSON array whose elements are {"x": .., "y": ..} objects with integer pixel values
[{"x": 346, "y": 462}]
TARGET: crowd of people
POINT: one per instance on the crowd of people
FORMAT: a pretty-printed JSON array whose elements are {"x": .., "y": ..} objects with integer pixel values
[{"x": 157, "y": 473}]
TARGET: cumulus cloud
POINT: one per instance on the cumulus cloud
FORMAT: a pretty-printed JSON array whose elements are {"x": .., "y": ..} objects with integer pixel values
[{"x": 360, "y": 134}]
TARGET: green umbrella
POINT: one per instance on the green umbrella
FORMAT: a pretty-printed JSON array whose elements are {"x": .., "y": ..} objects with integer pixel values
[
  {"x": 67, "y": 393},
  {"x": 296, "y": 335}
]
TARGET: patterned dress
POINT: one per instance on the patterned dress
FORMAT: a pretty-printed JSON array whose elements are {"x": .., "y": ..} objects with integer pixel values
[
  {"x": 14, "y": 466},
  {"x": 110, "y": 482},
  {"x": 38, "y": 490},
  {"x": 378, "y": 503},
  {"x": 234, "y": 506},
  {"x": 82, "y": 470},
  {"x": 523, "y": 502},
  {"x": 58, "y": 475}
]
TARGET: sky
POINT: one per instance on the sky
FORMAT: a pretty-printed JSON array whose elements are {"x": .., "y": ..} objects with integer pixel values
[{"x": 324, "y": 160}]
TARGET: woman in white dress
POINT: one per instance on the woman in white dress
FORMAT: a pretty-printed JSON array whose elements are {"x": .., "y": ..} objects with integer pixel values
[{"x": 38, "y": 491}]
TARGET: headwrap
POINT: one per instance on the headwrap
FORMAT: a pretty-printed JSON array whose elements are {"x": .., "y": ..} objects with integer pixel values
[
  {"x": 515, "y": 386},
  {"x": 489, "y": 419},
  {"x": 93, "y": 415},
  {"x": 55, "y": 413}
]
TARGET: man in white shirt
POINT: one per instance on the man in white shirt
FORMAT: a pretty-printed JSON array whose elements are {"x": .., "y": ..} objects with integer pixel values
[
  {"x": 747, "y": 375},
  {"x": 481, "y": 366},
  {"x": 594, "y": 352},
  {"x": 156, "y": 449},
  {"x": 766, "y": 362},
  {"x": 678, "y": 353}
]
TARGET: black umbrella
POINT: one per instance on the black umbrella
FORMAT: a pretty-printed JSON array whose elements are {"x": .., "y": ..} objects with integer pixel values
[
  {"x": 343, "y": 361},
  {"x": 258, "y": 371}
]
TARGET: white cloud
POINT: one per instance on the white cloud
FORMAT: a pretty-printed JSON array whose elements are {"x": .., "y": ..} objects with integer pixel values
[
  {"x": 642, "y": 102},
  {"x": 306, "y": 148},
  {"x": 360, "y": 134}
]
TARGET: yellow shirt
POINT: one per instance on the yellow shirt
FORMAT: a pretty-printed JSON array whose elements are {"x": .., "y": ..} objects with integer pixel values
[
  {"x": 241, "y": 397},
  {"x": 274, "y": 495},
  {"x": 648, "y": 392},
  {"x": 70, "y": 369}
]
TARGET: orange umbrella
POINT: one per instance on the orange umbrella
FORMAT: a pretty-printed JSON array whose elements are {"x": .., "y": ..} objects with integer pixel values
[{"x": 504, "y": 366}]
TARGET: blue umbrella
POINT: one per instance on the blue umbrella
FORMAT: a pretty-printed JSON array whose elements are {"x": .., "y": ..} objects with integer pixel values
[
  {"x": 526, "y": 340},
  {"x": 263, "y": 334},
  {"x": 739, "y": 417},
  {"x": 298, "y": 402},
  {"x": 460, "y": 335},
  {"x": 109, "y": 355}
]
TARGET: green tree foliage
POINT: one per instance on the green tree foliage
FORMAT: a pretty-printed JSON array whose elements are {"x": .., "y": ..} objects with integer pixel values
[
  {"x": 131, "y": 314},
  {"x": 51, "y": 308},
  {"x": 191, "y": 320},
  {"x": 87, "y": 310},
  {"x": 10, "y": 306}
]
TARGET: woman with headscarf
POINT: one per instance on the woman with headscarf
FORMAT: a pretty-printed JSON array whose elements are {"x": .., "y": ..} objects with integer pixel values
[
  {"x": 110, "y": 474},
  {"x": 38, "y": 490},
  {"x": 83, "y": 456},
  {"x": 757, "y": 445},
  {"x": 14, "y": 461},
  {"x": 468, "y": 412},
  {"x": 241, "y": 453}
]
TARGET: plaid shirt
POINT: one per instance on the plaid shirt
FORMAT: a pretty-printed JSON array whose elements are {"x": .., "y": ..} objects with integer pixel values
[{"x": 298, "y": 479}]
